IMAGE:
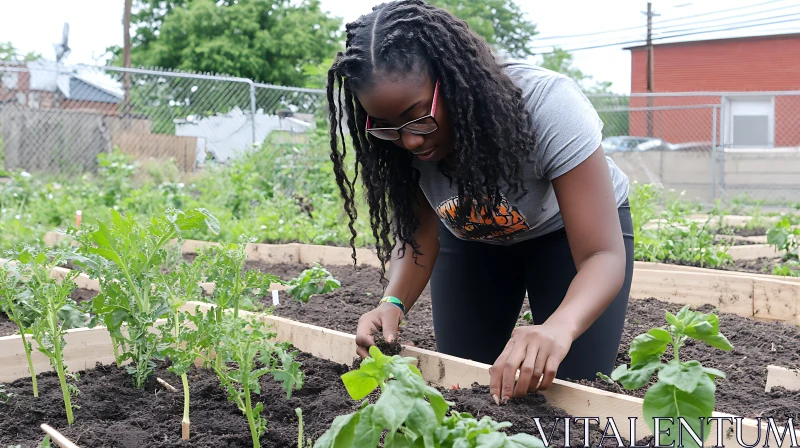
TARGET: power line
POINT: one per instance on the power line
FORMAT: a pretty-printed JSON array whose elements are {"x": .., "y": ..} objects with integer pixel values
[
  {"x": 735, "y": 23},
  {"x": 616, "y": 44},
  {"x": 596, "y": 33},
  {"x": 716, "y": 12},
  {"x": 729, "y": 17},
  {"x": 699, "y": 30}
]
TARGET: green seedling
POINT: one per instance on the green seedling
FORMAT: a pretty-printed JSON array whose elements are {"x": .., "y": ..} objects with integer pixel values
[
  {"x": 316, "y": 280},
  {"x": 131, "y": 252},
  {"x": 182, "y": 342},
  {"x": 4, "y": 394},
  {"x": 234, "y": 287},
  {"x": 17, "y": 300},
  {"x": 414, "y": 413},
  {"x": 248, "y": 353},
  {"x": 685, "y": 389},
  {"x": 50, "y": 300},
  {"x": 785, "y": 239}
]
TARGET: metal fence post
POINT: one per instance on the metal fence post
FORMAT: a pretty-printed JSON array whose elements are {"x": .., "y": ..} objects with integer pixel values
[
  {"x": 714, "y": 155},
  {"x": 253, "y": 109}
]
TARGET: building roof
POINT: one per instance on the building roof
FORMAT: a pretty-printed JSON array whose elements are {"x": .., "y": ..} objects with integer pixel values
[
  {"x": 78, "y": 83},
  {"x": 719, "y": 40}
]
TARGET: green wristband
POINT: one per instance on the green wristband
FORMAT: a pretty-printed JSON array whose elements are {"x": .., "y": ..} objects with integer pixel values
[{"x": 395, "y": 301}]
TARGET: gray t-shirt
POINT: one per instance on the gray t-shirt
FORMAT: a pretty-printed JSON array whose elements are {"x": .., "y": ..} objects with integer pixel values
[{"x": 567, "y": 130}]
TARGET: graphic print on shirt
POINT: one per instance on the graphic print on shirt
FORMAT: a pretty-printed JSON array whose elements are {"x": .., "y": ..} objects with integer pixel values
[{"x": 500, "y": 225}]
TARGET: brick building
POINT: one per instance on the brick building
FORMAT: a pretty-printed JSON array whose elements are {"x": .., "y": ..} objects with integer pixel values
[
  {"x": 747, "y": 64},
  {"x": 40, "y": 85}
]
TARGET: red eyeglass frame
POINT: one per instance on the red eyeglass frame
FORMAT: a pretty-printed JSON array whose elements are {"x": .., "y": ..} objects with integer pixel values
[{"x": 400, "y": 128}]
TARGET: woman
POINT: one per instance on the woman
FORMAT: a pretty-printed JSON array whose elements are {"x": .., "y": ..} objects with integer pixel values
[{"x": 443, "y": 133}]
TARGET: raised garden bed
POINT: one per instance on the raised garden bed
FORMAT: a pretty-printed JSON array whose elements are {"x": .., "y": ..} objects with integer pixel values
[
  {"x": 769, "y": 297},
  {"x": 111, "y": 409}
]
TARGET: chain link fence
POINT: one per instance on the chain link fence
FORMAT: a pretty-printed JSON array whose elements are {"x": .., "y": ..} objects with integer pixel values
[
  {"x": 739, "y": 147},
  {"x": 59, "y": 119}
]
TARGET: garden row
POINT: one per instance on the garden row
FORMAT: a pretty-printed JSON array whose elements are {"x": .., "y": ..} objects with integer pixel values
[{"x": 355, "y": 300}]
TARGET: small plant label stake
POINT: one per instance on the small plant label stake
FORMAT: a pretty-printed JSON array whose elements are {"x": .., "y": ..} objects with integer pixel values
[
  {"x": 275, "y": 300},
  {"x": 57, "y": 437},
  {"x": 78, "y": 216}
]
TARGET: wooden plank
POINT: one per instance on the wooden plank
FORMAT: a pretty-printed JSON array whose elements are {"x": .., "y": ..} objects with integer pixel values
[
  {"x": 773, "y": 300},
  {"x": 84, "y": 347},
  {"x": 730, "y": 295},
  {"x": 332, "y": 255},
  {"x": 268, "y": 253},
  {"x": 782, "y": 377},
  {"x": 676, "y": 267},
  {"x": 759, "y": 298},
  {"x": 753, "y": 251}
]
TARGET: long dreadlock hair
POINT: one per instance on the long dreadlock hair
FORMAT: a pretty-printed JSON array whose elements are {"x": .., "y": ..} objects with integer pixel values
[{"x": 492, "y": 135}]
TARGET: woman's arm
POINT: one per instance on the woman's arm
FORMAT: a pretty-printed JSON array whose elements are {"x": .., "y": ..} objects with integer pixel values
[
  {"x": 407, "y": 278},
  {"x": 588, "y": 208}
]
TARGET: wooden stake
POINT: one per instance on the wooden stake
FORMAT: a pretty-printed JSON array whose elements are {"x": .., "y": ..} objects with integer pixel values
[
  {"x": 78, "y": 216},
  {"x": 57, "y": 437},
  {"x": 166, "y": 385},
  {"x": 782, "y": 377}
]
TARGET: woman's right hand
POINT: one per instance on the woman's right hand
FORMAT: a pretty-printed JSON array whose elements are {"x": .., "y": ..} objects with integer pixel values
[{"x": 387, "y": 317}]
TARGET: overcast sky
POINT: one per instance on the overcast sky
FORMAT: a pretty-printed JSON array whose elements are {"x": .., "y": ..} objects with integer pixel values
[{"x": 35, "y": 25}]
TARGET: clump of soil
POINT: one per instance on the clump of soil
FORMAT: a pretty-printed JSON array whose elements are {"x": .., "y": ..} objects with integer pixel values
[{"x": 386, "y": 347}]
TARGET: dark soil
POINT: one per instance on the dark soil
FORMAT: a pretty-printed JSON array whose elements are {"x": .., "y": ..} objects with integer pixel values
[
  {"x": 8, "y": 328},
  {"x": 110, "y": 409},
  {"x": 741, "y": 231},
  {"x": 756, "y": 344},
  {"x": 761, "y": 265}
]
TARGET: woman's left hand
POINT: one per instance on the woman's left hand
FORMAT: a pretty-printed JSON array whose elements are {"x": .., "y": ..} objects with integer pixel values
[{"x": 534, "y": 350}]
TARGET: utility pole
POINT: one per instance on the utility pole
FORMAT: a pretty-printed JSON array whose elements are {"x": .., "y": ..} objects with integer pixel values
[
  {"x": 650, "y": 66},
  {"x": 126, "y": 55}
]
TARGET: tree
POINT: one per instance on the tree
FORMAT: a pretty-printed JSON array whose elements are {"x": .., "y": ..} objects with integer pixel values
[
  {"x": 610, "y": 109},
  {"x": 501, "y": 22},
  {"x": 560, "y": 60},
  {"x": 265, "y": 40},
  {"x": 9, "y": 53}
]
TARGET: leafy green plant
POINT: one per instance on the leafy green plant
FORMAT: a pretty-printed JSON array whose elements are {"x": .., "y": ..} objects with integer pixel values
[
  {"x": 131, "y": 253},
  {"x": 315, "y": 280},
  {"x": 785, "y": 238},
  {"x": 414, "y": 413},
  {"x": 14, "y": 302},
  {"x": 673, "y": 237},
  {"x": 234, "y": 287},
  {"x": 20, "y": 278},
  {"x": 684, "y": 389},
  {"x": 787, "y": 269},
  {"x": 52, "y": 303},
  {"x": 248, "y": 353},
  {"x": 4, "y": 394},
  {"x": 182, "y": 342}
]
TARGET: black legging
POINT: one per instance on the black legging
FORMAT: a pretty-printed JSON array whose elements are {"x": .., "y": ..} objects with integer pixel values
[{"x": 477, "y": 291}]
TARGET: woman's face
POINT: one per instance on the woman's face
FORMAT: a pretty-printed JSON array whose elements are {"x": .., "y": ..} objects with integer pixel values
[{"x": 394, "y": 101}]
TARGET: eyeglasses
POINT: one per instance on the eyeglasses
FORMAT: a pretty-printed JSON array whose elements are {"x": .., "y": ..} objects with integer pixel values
[{"x": 421, "y": 126}]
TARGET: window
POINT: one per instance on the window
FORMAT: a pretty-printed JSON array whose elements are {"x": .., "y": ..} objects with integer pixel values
[{"x": 749, "y": 122}]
